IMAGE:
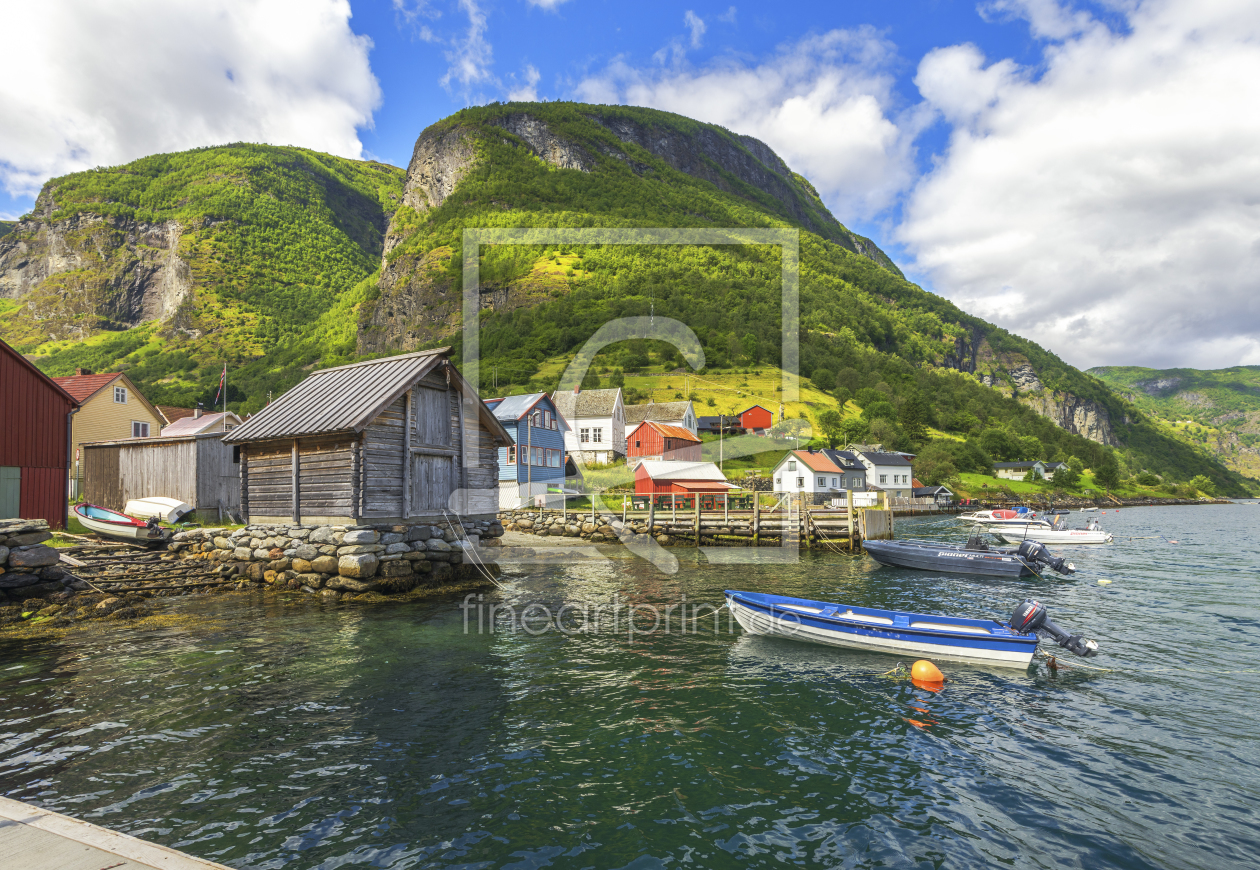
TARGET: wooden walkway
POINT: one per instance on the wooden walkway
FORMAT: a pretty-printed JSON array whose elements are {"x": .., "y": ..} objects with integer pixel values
[{"x": 36, "y": 839}]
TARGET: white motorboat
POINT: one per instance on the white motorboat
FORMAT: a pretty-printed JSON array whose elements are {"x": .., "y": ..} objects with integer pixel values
[
  {"x": 167, "y": 510},
  {"x": 113, "y": 524},
  {"x": 1053, "y": 533},
  {"x": 1002, "y": 517}
]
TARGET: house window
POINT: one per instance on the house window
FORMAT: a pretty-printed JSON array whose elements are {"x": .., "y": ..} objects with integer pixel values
[
  {"x": 791, "y": 465},
  {"x": 236, "y": 455},
  {"x": 511, "y": 455},
  {"x": 597, "y": 435},
  {"x": 586, "y": 435},
  {"x": 883, "y": 478},
  {"x": 536, "y": 456},
  {"x": 822, "y": 481},
  {"x": 833, "y": 483},
  {"x": 800, "y": 483},
  {"x": 778, "y": 480},
  {"x": 120, "y": 395},
  {"x": 638, "y": 443},
  {"x": 553, "y": 458},
  {"x": 139, "y": 430}
]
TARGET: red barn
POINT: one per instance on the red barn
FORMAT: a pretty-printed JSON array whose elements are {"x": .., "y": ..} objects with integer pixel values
[
  {"x": 755, "y": 418},
  {"x": 652, "y": 440},
  {"x": 663, "y": 476},
  {"x": 34, "y": 441}
]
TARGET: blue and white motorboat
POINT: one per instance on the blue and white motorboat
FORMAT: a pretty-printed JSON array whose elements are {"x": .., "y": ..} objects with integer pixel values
[{"x": 984, "y": 641}]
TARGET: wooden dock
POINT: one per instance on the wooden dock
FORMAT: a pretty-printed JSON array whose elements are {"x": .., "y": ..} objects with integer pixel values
[{"x": 36, "y": 839}]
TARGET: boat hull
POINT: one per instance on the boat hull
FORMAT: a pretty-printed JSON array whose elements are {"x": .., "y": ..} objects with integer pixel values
[
  {"x": 951, "y": 560},
  {"x": 1000, "y": 647},
  {"x": 1052, "y": 536},
  {"x": 123, "y": 528}
]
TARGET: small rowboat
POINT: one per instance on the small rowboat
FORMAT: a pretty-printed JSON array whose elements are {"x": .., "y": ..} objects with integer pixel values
[
  {"x": 112, "y": 524},
  {"x": 168, "y": 510},
  {"x": 984, "y": 641}
]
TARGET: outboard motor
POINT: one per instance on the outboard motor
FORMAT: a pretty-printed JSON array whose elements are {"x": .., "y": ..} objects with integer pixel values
[
  {"x": 1035, "y": 553},
  {"x": 1030, "y": 617}
]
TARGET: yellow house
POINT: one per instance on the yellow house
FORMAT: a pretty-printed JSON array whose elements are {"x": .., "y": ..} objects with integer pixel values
[{"x": 111, "y": 408}]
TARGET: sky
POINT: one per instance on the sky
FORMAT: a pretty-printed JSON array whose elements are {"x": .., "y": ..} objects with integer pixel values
[{"x": 1084, "y": 174}]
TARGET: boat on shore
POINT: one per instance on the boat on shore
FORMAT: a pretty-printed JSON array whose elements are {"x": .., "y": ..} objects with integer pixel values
[
  {"x": 167, "y": 510},
  {"x": 975, "y": 557},
  {"x": 113, "y": 524},
  {"x": 983, "y": 641}
]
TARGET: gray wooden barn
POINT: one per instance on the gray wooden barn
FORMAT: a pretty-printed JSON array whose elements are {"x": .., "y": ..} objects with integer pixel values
[
  {"x": 199, "y": 470},
  {"x": 388, "y": 440}
]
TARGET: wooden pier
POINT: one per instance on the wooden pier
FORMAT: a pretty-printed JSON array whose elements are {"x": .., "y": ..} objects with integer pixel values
[{"x": 36, "y": 839}]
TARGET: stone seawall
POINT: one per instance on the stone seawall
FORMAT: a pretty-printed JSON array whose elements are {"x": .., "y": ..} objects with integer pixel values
[
  {"x": 29, "y": 568},
  {"x": 342, "y": 561}
]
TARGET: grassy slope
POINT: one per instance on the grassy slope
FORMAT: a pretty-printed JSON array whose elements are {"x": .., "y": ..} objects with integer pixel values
[{"x": 276, "y": 239}]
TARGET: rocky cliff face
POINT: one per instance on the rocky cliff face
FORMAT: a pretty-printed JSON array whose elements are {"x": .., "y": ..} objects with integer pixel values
[
  {"x": 87, "y": 272},
  {"x": 1079, "y": 416}
]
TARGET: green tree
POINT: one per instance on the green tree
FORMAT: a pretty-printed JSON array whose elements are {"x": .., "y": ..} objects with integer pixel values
[
  {"x": 832, "y": 425},
  {"x": 618, "y": 378},
  {"x": 1203, "y": 484},
  {"x": 824, "y": 379},
  {"x": 855, "y": 430},
  {"x": 590, "y": 381},
  {"x": 842, "y": 396},
  {"x": 752, "y": 348},
  {"x": 934, "y": 464},
  {"x": 914, "y": 417},
  {"x": 734, "y": 348},
  {"x": 1107, "y": 474},
  {"x": 849, "y": 379},
  {"x": 879, "y": 411},
  {"x": 1066, "y": 477},
  {"x": 1076, "y": 465}
]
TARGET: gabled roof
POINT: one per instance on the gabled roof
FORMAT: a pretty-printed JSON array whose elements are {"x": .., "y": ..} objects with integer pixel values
[
  {"x": 348, "y": 398},
  {"x": 924, "y": 491},
  {"x": 84, "y": 387},
  {"x": 171, "y": 413},
  {"x": 587, "y": 403},
  {"x": 51, "y": 383},
  {"x": 1023, "y": 464},
  {"x": 677, "y": 469},
  {"x": 838, "y": 461},
  {"x": 750, "y": 407},
  {"x": 661, "y": 412},
  {"x": 666, "y": 430},
  {"x": 204, "y": 423},
  {"x": 886, "y": 459}
]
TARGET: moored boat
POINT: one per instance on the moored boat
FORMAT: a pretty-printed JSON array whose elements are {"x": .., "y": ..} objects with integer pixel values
[
  {"x": 167, "y": 510},
  {"x": 113, "y": 524},
  {"x": 1053, "y": 533},
  {"x": 1002, "y": 517},
  {"x": 975, "y": 557},
  {"x": 952, "y": 638}
]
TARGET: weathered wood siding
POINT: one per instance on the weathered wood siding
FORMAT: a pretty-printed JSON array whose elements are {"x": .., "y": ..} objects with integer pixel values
[
  {"x": 325, "y": 482},
  {"x": 383, "y": 463},
  {"x": 218, "y": 478},
  {"x": 102, "y": 483},
  {"x": 199, "y": 472},
  {"x": 270, "y": 482},
  {"x": 168, "y": 470}
]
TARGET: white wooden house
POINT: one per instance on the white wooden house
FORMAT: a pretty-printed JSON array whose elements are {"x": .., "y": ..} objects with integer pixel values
[
  {"x": 890, "y": 472},
  {"x": 597, "y": 423},
  {"x": 829, "y": 473}
]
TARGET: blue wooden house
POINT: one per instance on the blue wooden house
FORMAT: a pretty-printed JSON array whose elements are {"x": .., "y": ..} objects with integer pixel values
[{"x": 534, "y": 465}]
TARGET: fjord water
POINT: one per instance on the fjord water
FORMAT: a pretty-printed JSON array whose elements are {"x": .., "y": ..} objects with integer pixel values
[{"x": 266, "y": 732}]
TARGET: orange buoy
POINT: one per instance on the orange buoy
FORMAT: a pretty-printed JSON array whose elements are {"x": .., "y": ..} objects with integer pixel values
[{"x": 926, "y": 671}]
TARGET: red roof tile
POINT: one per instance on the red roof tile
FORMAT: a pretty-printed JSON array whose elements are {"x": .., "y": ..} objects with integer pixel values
[
  {"x": 171, "y": 413},
  {"x": 817, "y": 461},
  {"x": 671, "y": 431},
  {"x": 84, "y": 387}
]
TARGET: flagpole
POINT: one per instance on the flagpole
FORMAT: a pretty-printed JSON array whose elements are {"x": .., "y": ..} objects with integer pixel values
[{"x": 223, "y": 424}]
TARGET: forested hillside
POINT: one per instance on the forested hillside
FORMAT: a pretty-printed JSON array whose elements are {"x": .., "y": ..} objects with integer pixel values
[
  {"x": 279, "y": 260},
  {"x": 1219, "y": 410}
]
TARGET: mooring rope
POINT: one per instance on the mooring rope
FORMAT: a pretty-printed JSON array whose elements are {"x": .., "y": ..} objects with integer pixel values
[{"x": 472, "y": 551}]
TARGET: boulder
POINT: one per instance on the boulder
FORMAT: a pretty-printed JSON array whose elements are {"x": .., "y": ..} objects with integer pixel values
[
  {"x": 261, "y": 555},
  {"x": 305, "y": 551},
  {"x": 361, "y": 536},
  {"x": 256, "y": 571},
  {"x": 269, "y": 576},
  {"x": 222, "y": 543},
  {"x": 321, "y": 535},
  {"x": 279, "y": 565},
  {"x": 360, "y": 565},
  {"x": 422, "y": 567},
  {"x": 299, "y": 534},
  {"x": 4, "y": 556},
  {"x": 607, "y": 531},
  {"x": 107, "y": 605},
  {"x": 311, "y": 579},
  {"x": 398, "y": 547},
  {"x": 17, "y": 580},
  {"x": 524, "y": 523},
  {"x": 33, "y": 557},
  {"x": 302, "y": 566},
  {"x": 437, "y": 545},
  {"x": 359, "y": 549},
  {"x": 390, "y": 538},
  {"x": 418, "y": 533},
  {"x": 275, "y": 553},
  {"x": 324, "y": 564},
  {"x": 28, "y": 539},
  {"x": 400, "y": 568},
  {"x": 242, "y": 554},
  {"x": 329, "y": 594},
  {"x": 350, "y": 584}
]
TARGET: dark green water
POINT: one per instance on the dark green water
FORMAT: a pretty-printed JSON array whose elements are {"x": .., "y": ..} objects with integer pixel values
[{"x": 290, "y": 734}]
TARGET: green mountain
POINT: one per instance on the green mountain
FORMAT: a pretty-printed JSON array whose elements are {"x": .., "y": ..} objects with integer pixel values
[
  {"x": 1218, "y": 409},
  {"x": 278, "y": 260}
]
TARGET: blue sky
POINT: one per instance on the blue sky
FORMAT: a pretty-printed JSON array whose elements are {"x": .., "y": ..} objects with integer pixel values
[{"x": 1075, "y": 171}]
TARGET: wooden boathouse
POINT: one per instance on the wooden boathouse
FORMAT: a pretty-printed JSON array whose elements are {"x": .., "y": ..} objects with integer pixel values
[
  {"x": 35, "y": 423},
  {"x": 199, "y": 470},
  {"x": 388, "y": 440}
]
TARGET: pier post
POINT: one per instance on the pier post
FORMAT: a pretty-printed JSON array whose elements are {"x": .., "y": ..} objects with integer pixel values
[
  {"x": 697, "y": 522},
  {"x": 756, "y": 524}
]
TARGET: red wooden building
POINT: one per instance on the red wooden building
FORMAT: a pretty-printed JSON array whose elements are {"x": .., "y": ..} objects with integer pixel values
[
  {"x": 756, "y": 417},
  {"x": 656, "y": 476},
  {"x": 652, "y": 440},
  {"x": 34, "y": 441}
]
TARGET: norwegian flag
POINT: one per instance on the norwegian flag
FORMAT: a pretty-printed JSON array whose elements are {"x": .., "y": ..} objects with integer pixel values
[{"x": 222, "y": 383}]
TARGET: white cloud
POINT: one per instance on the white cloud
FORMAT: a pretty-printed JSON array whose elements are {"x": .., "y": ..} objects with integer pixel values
[
  {"x": 695, "y": 24},
  {"x": 728, "y": 17},
  {"x": 471, "y": 56},
  {"x": 1111, "y": 208},
  {"x": 823, "y": 104},
  {"x": 527, "y": 92},
  {"x": 104, "y": 83},
  {"x": 1046, "y": 18}
]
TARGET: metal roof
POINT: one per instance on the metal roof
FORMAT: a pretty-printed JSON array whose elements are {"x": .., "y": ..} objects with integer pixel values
[
  {"x": 667, "y": 430},
  {"x": 678, "y": 469},
  {"x": 660, "y": 412},
  {"x": 885, "y": 458},
  {"x": 586, "y": 403},
  {"x": 515, "y": 407},
  {"x": 348, "y": 398},
  {"x": 204, "y": 423}
]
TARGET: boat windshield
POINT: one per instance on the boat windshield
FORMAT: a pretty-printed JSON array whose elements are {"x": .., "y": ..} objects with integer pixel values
[{"x": 975, "y": 541}]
